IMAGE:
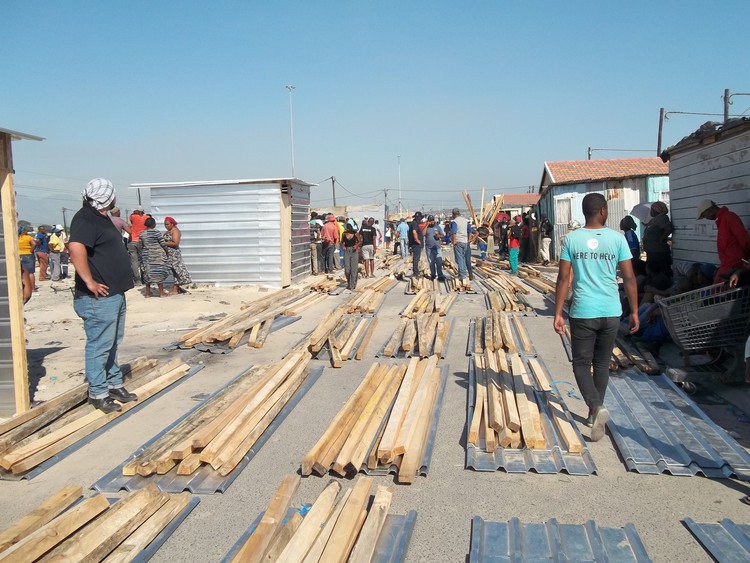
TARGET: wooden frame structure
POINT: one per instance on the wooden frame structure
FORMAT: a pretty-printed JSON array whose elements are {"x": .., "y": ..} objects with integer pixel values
[{"x": 14, "y": 377}]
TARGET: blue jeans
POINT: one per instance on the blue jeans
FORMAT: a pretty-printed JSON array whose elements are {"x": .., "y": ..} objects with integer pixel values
[
  {"x": 462, "y": 254},
  {"x": 104, "y": 324},
  {"x": 513, "y": 259},
  {"x": 435, "y": 259},
  {"x": 404, "y": 243}
]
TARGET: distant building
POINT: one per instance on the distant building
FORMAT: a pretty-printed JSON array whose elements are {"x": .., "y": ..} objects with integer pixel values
[
  {"x": 625, "y": 182},
  {"x": 710, "y": 163},
  {"x": 516, "y": 204}
]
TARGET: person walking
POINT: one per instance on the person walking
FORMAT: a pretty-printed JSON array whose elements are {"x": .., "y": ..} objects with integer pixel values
[
  {"x": 545, "y": 230},
  {"x": 460, "y": 239},
  {"x": 137, "y": 226},
  {"x": 26, "y": 245},
  {"x": 403, "y": 237},
  {"x": 655, "y": 240},
  {"x": 732, "y": 240},
  {"x": 41, "y": 252},
  {"x": 102, "y": 276},
  {"x": 352, "y": 242},
  {"x": 515, "y": 235},
  {"x": 315, "y": 224},
  {"x": 56, "y": 246},
  {"x": 416, "y": 243},
  {"x": 433, "y": 237},
  {"x": 591, "y": 255},
  {"x": 330, "y": 235},
  {"x": 369, "y": 240},
  {"x": 172, "y": 239},
  {"x": 154, "y": 255},
  {"x": 121, "y": 224}
]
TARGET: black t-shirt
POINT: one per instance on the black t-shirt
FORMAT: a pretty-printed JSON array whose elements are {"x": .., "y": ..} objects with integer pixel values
[
  {"x": 108, "y": 260},
  {"x": 368, "y": 234},
  {"x": 415, "y": 226},
  {"x": 348, "y": 241}
]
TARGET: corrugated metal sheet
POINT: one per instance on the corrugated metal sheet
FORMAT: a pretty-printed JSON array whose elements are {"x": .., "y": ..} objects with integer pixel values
[
  {"x": 659, "y": 429},
  {"x": 205, "y": 480},
  {"x": 516, "y": 541},
  {"x": 726, "y": 541},
  {"x": 391, "y": 546},
  {"x": 231, "y": 232},
  {"x": 555, "y": 459}
]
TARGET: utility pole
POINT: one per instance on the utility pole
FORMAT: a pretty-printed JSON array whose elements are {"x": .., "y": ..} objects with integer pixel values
[
  {"x": 399, "y": 183},
  {"x": 727, "y": 97},
  {"x": 333, "y": 188},
  {"x": 385, "y": 201},
  {"x": 661, "y": 126},
  {"x": 290, "y": 87},
  {"x": 65, "y": 221},
  {"x": 589, "y": 153}
]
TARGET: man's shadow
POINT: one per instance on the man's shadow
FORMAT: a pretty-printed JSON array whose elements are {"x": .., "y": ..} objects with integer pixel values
[{"x": 37, "y": 370}]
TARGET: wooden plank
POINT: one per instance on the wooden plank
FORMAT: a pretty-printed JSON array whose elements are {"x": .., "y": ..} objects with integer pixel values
[
  {"x": 522, "y": 334},
  {"x": 311, "y": 526},
  {"x": 364, "y": 548},
  {"x": 347, "y": 526},
  {"x": 336, "y": 360},
  {"x": 356, "y": 334},
  {"x": 478, "y": 335},
  {"x": 139, "y": 540},
  {"x": 542, "y": 379},
  {"x": 187, "y": 466},
  {"x": 265, "y": 329},
  {"x": 564, "y": 427},
  {"x": 58, "y": 405},
  {"x": 510, "y": 408},
  {"x": 41, "y": 515},
  {"x": 281, "y": 539},
  {"x": 254, "y": 548},
  {"x": 528, "y": 427},
  {"x": 480, "y": 387},
  {"x": 253, "y": 335},
  {"x": 510, "y": 343},
  {"x": 316, "y": 550},
  {"x": 398, "y": 413},
  {"x": 412, "y": 460},
  {"x": 410, "y": 336},
  {"x": 422, "y": 321},
  {"x": 494, "y": 392},
  {"x": 45, "y": 538},
  {"x": 408, "y": 427},
  {"x": 104, "y": 534},
  {"x": 395, "y": 340},
  {"x": 497, "y": 332},
  {"x": 366, "y": 339}
]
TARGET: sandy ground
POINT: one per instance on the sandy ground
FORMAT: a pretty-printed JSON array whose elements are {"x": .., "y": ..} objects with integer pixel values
[{"x": 445, "y": 501}]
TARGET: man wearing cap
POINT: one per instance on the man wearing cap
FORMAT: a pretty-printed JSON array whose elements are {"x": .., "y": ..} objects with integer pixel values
[
  {"x": 545, "y": 229},
  {"x": 103, "y": 275},
  {"x": 56, "y": 246},
  {"x": 732, "y": 240},
  {"x": 137, "y": 226},
  {"x": 460, "y": 230},
  {"x": 433, "y": 235}
]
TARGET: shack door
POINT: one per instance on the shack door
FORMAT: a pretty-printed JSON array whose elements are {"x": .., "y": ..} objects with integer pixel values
[{"x": 285, "y": 224}]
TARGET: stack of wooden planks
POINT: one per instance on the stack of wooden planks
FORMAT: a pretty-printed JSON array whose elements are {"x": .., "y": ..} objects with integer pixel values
[
  {"x": 503, "y": 300},
  {"x": 506, "y": 412},
  {"x": 498, "y": 279},
  {"x": 494, "y": 332},
  {"x": 630, "y": 351},
  {"x": 424, "y": 335},
  {"x": 386, "y": 421},
  {"x": 389, "y": 261},
  {"x": 337, "y": 528},
  {"x": 64, "y": 529},
  {"x": 341, "y": 333},
  {"x": 256, "y": 318},
  {"x": 382, "y": 285},
  {"x": 428, "y": 301},
  {"x": 423, "y": 282},
  {"x": 41, "y": 433},
  {"x": 535, "y": 279},
  {"x": 368, "y": 301},
  {"x": 454, "y": 283},
  {"x": 328, "y": 283},
  {"x": 225, "y": 428}
]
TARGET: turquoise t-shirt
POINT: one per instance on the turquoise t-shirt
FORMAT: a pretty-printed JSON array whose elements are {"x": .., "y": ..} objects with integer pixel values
[{"x": 594, "y": 255}]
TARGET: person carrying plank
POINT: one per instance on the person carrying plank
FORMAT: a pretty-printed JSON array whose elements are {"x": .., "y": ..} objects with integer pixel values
[
  {"x": 103, "y": 275},
  {"x": 591, "y": 255}
]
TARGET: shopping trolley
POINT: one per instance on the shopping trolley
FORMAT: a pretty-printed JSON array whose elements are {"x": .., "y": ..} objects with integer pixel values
[{"x": 711, "y": 318}]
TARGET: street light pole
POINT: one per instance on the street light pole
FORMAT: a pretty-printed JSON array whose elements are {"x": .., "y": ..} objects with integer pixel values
[
  {"x": 290, "y": 87},
  {"x": 399, "y": 184}
]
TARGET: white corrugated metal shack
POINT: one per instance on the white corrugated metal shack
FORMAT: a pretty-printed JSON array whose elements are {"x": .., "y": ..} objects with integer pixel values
[
  {"x": 625, "y": 182},
  {"x": 711, "y": 163},
  {"x": 238, "y": 231}
]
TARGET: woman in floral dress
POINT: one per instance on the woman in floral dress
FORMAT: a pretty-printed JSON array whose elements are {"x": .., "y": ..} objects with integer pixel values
[
  {"x": 172, "y": 240},
  {"x": 155, "y": 258}
]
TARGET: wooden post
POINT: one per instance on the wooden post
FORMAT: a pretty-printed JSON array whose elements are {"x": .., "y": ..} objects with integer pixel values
[{"x": 15, "y": 295}]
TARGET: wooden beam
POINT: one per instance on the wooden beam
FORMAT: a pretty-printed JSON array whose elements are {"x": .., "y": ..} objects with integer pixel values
[
  {"x": 370, "y": 533},
  {"x": 366, "y": 339},
  {"x": 412, "y": 460},
  {"x": 398, "y": 413},
  {"x": 311, "y": 526},
  {"x": 282, "y": 537},
  {"x": 316, "y": 550},
  {"x": 347, "y": 526}
]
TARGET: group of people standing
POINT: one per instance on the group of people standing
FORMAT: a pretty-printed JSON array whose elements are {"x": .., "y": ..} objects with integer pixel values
[{"x": 49, "y": 250}]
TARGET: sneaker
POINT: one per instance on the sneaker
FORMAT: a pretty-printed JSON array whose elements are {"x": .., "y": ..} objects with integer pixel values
[
  {"x": 123, "y": 395},
  {"x": 599, "y": 424},
  {"x": 106, "y": 405}
]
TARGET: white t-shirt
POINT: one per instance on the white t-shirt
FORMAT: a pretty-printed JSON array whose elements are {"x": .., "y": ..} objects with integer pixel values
[{"x": 747, "y": 349}]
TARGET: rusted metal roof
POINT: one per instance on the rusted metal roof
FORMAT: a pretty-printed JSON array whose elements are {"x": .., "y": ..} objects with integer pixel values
[{"x": 581, "y": 171}]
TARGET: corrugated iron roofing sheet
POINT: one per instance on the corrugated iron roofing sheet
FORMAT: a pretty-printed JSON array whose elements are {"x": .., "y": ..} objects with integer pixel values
[
  {"x": 726, "y": 541},
  {"x": 555, "y": 459},
  {"x": 205, "y": 480},
  {"x": 659, "y": 429},
  {"x": 516, "y": 541},
  {"x": 580, "y": 171}
]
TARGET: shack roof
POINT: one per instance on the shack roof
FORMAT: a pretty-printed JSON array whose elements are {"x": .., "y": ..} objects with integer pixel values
[
  {"x": 520, "y": 200},
  {"x": 582, "y": 171},
  {"x": 709, "y": 132},
  {"x": 18, "y": 136},
  {"x": 280, "y": 181}
]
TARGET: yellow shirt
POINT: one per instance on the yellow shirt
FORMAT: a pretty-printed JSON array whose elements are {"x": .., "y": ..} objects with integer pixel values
[
  {"x": 26, "y": 244},
  {"x": 55, "y": 244}
]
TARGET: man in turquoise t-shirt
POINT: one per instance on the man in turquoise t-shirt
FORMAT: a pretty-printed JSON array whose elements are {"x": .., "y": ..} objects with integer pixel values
[{"x": 591, "y": 256}]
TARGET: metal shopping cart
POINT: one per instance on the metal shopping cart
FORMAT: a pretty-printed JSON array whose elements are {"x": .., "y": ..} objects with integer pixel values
[{"x": 710, "y": 319}]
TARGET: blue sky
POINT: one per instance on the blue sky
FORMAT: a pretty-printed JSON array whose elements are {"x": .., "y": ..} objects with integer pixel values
[{"x": 469, "y": 94}]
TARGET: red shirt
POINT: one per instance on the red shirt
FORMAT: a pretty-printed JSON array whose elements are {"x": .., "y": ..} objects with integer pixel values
[
  {"x": 330, "y": 232},
  {"x": 732, "y": 242},
  {"x": 137, "y": 223}
]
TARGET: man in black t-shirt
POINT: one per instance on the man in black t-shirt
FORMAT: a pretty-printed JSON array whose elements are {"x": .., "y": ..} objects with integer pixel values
[
  {"x": 369, "y": 246},
  {"x": 103, "y": 275},
  {"x": 416, "y": 242}
]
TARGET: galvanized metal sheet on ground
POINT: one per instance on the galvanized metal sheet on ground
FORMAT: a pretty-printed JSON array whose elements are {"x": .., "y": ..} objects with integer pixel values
[
  {"x": 391, "y": 546},
  {"x": 41, "y": 468},
  {"x": 726, "y": 541},
  {"x": 425, "y": 465},
  {"x": 659, "y": 429},
  {"x": 279, "y": 322},
  {"x": 398, "y": 353},
  {"x": 205, "y": 480},
  {"x": 554, "y": 459},
  {"x": 164, "y": 535},
  {"x": 516, "y": 541}
]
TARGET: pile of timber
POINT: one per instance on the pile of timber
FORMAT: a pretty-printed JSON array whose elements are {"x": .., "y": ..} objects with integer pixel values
[
  {"x": 630, "y": 351},
  {"x": 364, "y": 431},
  {"x": 328, "y": 283},
  {"x": 340, "y": 333},
  {"x": 454, "y": 283},
  {"x": 535, "y": 279},
  {"x": 503, "y": 300},
  {"x": 417, "y": 284},
  {"x": 428, "y": 301},
  {"x": 494, "y": 332},
  {"x": 338, "y": 527},
  {"x": 389, "y": 261},
  {"x": 256, "y": 318},
  {"x": 63, "y": 529},
  {"x": 227, "y": 426},
  {"x": 381, "y": 285},
  {"x": 368, "y": 301},
  {"x": 422, "y": 336},
  {"x": 506, "y": 412},
  {"x": 498, "y": 279},
  {"x": 35, "y": 436}
]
